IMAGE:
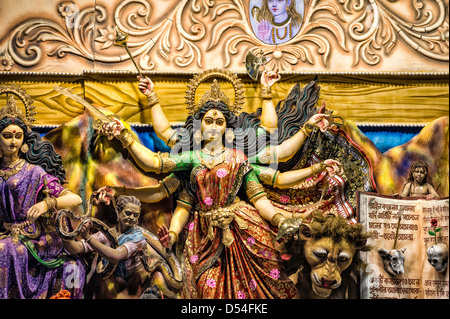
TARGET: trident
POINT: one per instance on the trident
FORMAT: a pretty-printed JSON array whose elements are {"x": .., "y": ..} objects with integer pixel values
[{"x": 121, "y": 40}]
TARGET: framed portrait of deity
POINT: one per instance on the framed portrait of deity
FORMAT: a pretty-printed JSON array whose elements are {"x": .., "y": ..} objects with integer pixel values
[{"x": 276, "y": 21}]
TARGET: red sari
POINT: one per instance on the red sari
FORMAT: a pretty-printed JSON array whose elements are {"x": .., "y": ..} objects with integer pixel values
[{"x": 233, "y": 261}]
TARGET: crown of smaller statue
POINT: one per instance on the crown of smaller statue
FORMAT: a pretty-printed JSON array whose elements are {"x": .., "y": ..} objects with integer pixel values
[{"x": 12, "y": 110}]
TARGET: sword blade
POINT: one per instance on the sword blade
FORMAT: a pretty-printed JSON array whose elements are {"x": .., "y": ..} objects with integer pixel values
[{"x": 90, "y": 107}]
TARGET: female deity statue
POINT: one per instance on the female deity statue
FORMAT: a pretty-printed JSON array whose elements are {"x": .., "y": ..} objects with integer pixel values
[
  {"x": 223, "y": 222},
  {"x": 281, "y": 142},
  {"x": 32, "y": 261}
]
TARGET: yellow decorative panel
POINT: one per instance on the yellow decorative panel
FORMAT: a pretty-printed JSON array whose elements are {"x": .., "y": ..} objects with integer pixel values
[
  {"x": 361, "y": 99},
  {"x": 52, "y": 108}
]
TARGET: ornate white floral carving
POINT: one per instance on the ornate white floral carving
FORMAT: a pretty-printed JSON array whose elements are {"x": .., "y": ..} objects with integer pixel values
[
  {"x": 107, "y": 37},
  {"x": 6, "y": 62}
]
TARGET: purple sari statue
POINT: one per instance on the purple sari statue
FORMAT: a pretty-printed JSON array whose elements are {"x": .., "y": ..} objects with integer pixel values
[
  {"x": 33, "y": 263},
  {"x": 22, "y": 275}
]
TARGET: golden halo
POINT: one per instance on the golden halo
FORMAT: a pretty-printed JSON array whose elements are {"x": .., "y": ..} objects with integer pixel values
[
  {"x": 12, "y": 110},
  {"x": 215, "y": 94}
]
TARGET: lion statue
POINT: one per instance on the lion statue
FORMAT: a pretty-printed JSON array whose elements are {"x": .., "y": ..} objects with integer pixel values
[{"x": 323, "y": 259}]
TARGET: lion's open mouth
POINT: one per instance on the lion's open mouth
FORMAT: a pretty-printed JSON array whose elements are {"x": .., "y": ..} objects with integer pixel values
[
  {"x": 321, "y": 292},
  {"x": 323, "y": 287}
]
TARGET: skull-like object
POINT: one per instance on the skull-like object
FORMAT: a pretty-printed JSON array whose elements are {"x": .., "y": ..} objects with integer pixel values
[
  {"x": 438, "y": 257},
  {"x": 393, "y": 260}
]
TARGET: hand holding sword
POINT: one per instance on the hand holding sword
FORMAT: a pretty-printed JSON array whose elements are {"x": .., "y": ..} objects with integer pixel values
[{"x": 111, "y": 125}]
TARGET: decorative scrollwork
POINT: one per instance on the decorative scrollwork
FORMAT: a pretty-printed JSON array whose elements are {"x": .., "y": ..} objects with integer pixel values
[
  {"x": 377, "y": 26},
  {"x": 187, "y": 35},
  {"x": 283, "y": 56},
  {"x": 24, "y": 45}
]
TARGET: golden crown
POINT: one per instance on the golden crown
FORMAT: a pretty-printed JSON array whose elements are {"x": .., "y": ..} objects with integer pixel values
[
  {"x": 215, "y": 93},
  {"x": 11, "y": 109}
]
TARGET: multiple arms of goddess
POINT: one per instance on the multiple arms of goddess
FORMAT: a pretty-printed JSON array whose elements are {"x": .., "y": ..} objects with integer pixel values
[
  {"x": 284, "y": 151},
  {"x": 269, "y": 120},
  {"x": 145, "y": 194},
  {"x": 257, "y": 196},
  {"x": 166, "y": 133},
  {"x": 148, "y": 160}
]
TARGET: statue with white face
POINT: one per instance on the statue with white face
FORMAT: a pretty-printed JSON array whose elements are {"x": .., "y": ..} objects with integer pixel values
[{"x": 438, "y": 257}]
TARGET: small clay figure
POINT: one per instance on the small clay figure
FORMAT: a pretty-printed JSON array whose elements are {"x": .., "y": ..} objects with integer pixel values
[{"x": 417, "y": 185}]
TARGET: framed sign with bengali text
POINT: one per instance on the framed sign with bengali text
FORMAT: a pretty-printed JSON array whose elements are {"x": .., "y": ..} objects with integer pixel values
[{"x": 409, "y": 226}]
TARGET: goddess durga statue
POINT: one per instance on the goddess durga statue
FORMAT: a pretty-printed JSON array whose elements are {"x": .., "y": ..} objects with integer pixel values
[{"x": 228, "y": 204}]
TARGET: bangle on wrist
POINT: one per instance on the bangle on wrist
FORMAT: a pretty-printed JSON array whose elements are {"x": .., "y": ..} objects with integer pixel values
[
  {"x": 89, "y": 238},
  {"x": 152, "y": 99},
  {"x": 308, "y": 127},
  {"x": 126, "y": 139},
  {"x": 318, "y": 168},
  {"x": 304, "y": 131},
  {"x": 276, "y": 219},
  {"x": 266, "y": 93},
  {"x": 51, "y": 202},
  {"x": 175, "y": 235}
]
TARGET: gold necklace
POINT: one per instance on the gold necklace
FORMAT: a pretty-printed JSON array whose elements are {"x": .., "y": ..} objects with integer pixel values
[
  {"x": 275, "y": 33},
  {"x": 280, "y": 24},
  {"x": 213, "y": 154},
  {"x": 213, "y": 160},
  {"x": 11, "y": 170},
  {"x": 13, "y": 163}
]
